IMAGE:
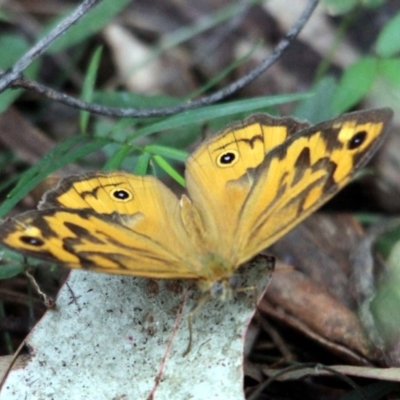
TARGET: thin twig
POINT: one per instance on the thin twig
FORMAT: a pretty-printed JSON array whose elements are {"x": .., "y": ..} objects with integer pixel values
[
  {"x": 48, "y": 301},
  {"x": 8, "y": 78},
  {"x": 21, "y": 82},
  {"x": 170, "y": 341}
]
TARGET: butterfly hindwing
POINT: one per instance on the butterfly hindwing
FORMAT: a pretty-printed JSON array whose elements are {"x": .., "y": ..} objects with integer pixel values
[
  {"x": 83, "y": 239},
  {"x": 135, "y": 219}
]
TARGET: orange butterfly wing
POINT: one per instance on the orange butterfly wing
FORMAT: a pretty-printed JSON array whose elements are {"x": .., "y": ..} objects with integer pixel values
[
  {"x": 111, "y": 222},
  {"x": 262, "y": 190}
]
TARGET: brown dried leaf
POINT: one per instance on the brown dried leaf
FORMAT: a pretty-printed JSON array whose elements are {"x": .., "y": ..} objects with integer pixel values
[{"x": 320, "y": 297}]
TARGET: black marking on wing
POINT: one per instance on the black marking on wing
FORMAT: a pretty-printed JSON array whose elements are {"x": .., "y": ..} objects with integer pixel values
[
  {"x": 81, "y": 232},
  {"x": 330, "y": 167},
  {"x": 325, "y": 164},
  {"x": 46, "y": 230},
  {"x": 301, "y": 165},
  {"x": 31, "y": 241},
  {"x": 360, "y": 156},
  {"x": 250, "y": 142},
  {"x": 96, "y": 189},
  {"x": 330, "y": 139},
  {"x": 329, "y": 184},
  {"x": 330, "y": 187},
  {"x": 264, "y": 121},
  {"x": 292, "y": 125},
  {"x": 357, "y": 140},
  {"x": 252, "y": 175},
  {"x": 253, "y": 140},
  {"x": 50, "y": 199},
  {"x": 88, "y": 258}
]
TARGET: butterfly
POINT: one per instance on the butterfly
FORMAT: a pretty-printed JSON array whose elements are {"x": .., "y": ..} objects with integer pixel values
[{"x": 246, "y": 186}]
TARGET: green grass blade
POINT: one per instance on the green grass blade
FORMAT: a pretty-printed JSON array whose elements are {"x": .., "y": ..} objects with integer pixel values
[
  {"x": 88, "y": 87},
  {"x": 142, "y": 164},
  {"x": 221, "y": 110},
  {"x": 169, "y": 169},
  {"x": 48, "y": 164},
  {"x": 168, "y": 152},
  {"x": 115, "y": 161}
]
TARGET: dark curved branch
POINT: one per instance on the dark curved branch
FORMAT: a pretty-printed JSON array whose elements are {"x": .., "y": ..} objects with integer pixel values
[
  {"x": 21, "y": 82},
  {"x": 8, "y": 78}
]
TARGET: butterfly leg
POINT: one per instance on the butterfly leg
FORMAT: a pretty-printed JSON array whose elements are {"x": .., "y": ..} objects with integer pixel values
[
  {"x": 200, "y": 303},
  {"x": 263, "y": 259},
  {"x": 248, "y": 289}
]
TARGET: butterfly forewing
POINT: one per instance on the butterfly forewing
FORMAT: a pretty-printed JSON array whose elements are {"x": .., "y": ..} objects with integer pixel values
[{"x": 301, "y": 174}]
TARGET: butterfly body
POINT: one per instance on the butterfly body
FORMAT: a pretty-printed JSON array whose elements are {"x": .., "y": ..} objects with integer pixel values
[{"x": 246, "y": 187}]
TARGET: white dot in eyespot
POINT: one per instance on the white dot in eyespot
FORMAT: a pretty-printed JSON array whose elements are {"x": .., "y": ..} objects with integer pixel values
[
  {"x": 121, "y": 195},
  {"x": 228, "y": 158}
]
